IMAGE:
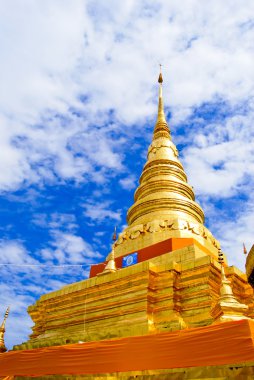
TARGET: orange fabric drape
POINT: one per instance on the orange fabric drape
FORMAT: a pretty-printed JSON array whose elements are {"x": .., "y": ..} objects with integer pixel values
[{"x": 225, "y": 343}]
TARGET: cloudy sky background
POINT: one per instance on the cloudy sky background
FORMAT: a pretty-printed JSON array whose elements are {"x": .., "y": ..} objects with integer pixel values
[{"x": 78, "y": 102}]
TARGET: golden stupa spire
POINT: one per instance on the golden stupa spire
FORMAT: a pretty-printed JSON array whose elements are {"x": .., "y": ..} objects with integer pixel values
[
  {"x": 226, "y": 293},
  {"x": 231, "y": 308},
  {"x": 164, "y": 203},
  {"x": 2, "y": 331},
  {"x": 228, "y": 308},
  {"x": 111, "y": 264},
  {"x": 163, "y": 191},
  {"x": 161, "y": 114},
  {"x": 161, "y": 127}
]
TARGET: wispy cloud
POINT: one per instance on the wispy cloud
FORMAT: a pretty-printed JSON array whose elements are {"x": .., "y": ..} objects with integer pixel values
[
  {"x": 65, "y": 245},
  {"x": 220, "y": 161},
  {"x": 67, "y": 248},
  {"x": 67, "y": 78},
  {"x": 237, "y": 229},
  {"x": 14, "y": 252},
  {"x": 100, "y": 211},
  {"x": 129, "y": 182}
]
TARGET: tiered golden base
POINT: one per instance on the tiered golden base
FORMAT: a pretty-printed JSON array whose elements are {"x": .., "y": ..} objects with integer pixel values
[{"x": 167, "y": 293}]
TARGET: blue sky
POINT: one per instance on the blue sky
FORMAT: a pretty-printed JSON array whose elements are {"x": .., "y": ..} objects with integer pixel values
[{"x": 78, "y": 103}]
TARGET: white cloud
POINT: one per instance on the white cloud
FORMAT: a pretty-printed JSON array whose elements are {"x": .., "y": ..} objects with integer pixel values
[
  {"x": 236, "y": 231},
  {"x": 129, "y": 182},
  {"x": 100, "y": 211},
  {"x": 109, "y": 53},
  {"x": 222, "y": 157},
  {"x": 64, "y": 246},
  {"x": 73, "y": 249},
  {"x": 13, "y": 252},
  {"x": 55, "y": 220}
]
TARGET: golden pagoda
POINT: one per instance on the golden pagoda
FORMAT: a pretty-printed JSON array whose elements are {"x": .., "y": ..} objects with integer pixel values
[{"x": 161, "y": 283}]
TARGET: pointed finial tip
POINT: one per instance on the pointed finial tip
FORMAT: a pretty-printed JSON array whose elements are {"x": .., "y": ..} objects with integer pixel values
[
  {"x": 160, "y": 80},
  {"x": 244, "y": 249},
  {"x": 114, "y": 237}
]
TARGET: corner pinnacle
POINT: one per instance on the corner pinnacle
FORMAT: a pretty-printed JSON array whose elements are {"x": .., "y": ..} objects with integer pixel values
[
  {"x": 160, "y": 80},
  {"x": 2, "y": 331},
  {"x": 111, "y": 265},
  {"x": 5, "y": 317}
]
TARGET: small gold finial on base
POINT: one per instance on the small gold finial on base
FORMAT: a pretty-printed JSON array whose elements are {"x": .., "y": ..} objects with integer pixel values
[
  {"x": 2, "y": 331},
  {"x": 227, "y": 307},
  {"x": 111, "y": 265}
]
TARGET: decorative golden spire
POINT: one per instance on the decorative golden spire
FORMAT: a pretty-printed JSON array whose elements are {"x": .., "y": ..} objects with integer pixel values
[
  {"x": 244, "y": 249},
  {"x": 228, "y": 308},
  {"x": 161, "y": 127},
  {"x": 2, "y": 331},
  {"x": 226, "y": 293},
  {"x": 160, "y": 80},
  {"x": 111, "y": 265},
  {"x": 164, "y": 203},
  {"x": 163, "y": 191}
]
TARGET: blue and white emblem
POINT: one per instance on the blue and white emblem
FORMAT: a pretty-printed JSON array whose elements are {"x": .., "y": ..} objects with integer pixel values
[{"x": 130, "y": 260}]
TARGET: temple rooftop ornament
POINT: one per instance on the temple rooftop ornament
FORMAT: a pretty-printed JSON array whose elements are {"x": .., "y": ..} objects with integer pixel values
[
  {"x": 111, "y": 265},
  {"x": 2, "y": 331},
  {"x": 228, "y": 308}
]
